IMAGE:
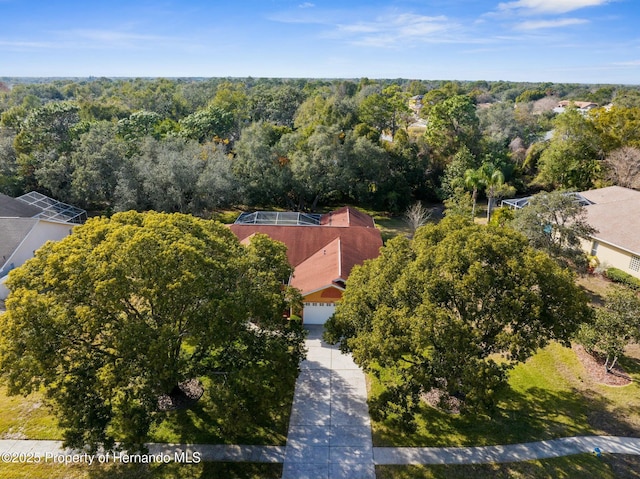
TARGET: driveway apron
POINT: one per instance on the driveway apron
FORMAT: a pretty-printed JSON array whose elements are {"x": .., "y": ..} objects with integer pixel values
[{"x": 329, "y": 430}]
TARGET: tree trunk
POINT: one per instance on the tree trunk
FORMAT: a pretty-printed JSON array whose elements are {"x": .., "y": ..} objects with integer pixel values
[
  {"x": 489, "y": 208},
  {"x": 474, "y": 196},
  {"x": 609, "y": 367}
]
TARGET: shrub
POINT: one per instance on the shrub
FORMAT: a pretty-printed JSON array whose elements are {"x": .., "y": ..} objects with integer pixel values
[{"x": 618, "y": 276}]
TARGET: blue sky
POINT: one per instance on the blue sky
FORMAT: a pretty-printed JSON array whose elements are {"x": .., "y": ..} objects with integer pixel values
[{"x": 582, "y": 41}]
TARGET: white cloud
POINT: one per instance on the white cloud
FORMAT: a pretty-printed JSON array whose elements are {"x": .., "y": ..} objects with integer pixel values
[
  {"x": 96, "y": 39},
  {"x": 24, "y": 45},
  {"x": 396, "y": 30},
  {"x": 551, "y": 6},
  {"x": 116, "y": 38},
  {"x": 306, "y": 5},
  {"x": 630, "y": 63},
  {"x": 544, "y": 24},
  {"x": 112, "y": 36}
]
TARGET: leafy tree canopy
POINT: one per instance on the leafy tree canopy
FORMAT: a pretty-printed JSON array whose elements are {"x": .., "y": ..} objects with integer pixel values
[
  {"x": 616, "y": 325},
  {"x": 453, "y": 310},
  {"x": 555, "y": 223},
  {"x": 124, "y": 309}
]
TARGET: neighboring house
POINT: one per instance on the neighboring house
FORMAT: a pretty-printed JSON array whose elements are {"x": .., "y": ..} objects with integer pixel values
[
  {"x": 582, "y": 106},
  {"x": 321, "y": 248},
  {"x": 614, "y": 212},
  {"x": 28, "y": 222}
]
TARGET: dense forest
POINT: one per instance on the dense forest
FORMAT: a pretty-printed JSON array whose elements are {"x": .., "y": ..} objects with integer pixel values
[{"x": 197, "y": 145}]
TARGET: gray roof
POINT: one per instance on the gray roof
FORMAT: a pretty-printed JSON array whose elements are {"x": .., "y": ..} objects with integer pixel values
[
  {"x": 14, "y": 208},
  {"x": 615, "y": 213},
  {"x": 12, "y": 232}
]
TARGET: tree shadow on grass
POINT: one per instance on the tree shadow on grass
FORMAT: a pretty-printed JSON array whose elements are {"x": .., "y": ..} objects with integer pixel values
[
  {"x": 535, "y": 415},
  {"x": 585, "y": 466},
  {"x": 219, "y": 422},
  {"x": 204, "y": 470}
]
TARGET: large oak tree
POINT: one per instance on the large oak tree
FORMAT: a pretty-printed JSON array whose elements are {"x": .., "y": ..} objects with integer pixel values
[
  {"x": 125, "y": 309},
  {"x": 453, "y": 310}
]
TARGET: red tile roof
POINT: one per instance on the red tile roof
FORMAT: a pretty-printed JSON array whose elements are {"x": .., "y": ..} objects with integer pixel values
[
  {"x": 320, "y": 269},
  {"x": 322, "y": 254},
  {"x": 347, "y": 216}
]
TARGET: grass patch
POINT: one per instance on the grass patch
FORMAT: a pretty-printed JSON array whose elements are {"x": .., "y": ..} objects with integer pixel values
[
  {"x": 392, "y": 226},
  {"x": 548, "y": 397},
  {"x": 206, "y": 422},
  {"x": 209, "y": 470},
  {"x": 596, "y": 287},
  {"x": 22, "y": 418},
  {"x": 585, "y": 466}
]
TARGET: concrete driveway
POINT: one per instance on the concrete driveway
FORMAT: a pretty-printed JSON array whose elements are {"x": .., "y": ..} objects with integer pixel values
[{"x": 329, "y": 430}]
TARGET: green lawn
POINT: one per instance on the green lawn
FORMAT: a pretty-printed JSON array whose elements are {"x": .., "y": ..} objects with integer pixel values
[
  {"x": 22, "y": 418},
  {"x": 549, "y": 396},
  {"x": 584, "y": 466},
  {"x": 204, "y": 470}
]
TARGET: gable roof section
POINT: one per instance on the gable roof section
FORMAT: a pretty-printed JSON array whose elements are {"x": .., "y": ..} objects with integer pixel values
[
  {"x": 320, "y": 269},
  {"x": 12, "y": 232},
  {"x": 616, "y": 215},
  {"x": 325, "y": 253},
  {"x": 302, "y": 242},
  {"x": 347, "y": 216}
]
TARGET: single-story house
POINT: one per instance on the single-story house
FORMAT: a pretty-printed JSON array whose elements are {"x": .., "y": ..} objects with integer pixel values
[
  {"x": 321, "y": 248},
  {"x": 28, "y": 222},
  {"x": 582, "y": 106},
  {"x": 614, "y": 212}
]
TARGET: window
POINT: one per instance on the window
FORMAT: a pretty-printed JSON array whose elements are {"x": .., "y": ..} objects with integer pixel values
[
  {"x": 594, "y": 248},
  {"x": 634, "y": 265}
]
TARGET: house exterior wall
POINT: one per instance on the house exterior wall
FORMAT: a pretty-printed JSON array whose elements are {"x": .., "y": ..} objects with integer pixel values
[
  {"x": 611, "y": 256},
  {"x": 327, "y": 295},
  {"x": 42, "y": 232}
]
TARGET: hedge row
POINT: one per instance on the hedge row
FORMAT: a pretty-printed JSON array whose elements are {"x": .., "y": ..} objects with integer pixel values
[{"x": 618, "y": 276}]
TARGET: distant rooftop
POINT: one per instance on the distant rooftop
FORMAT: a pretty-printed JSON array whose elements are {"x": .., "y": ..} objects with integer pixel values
[{"x": 280, "y": 218}]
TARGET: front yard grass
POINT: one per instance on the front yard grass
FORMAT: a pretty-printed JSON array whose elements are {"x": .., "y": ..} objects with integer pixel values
[
  {"x": 585, "y": 466},
  {"x": 204, "y": 470},
  {"x": 22, "y": 418},
  {"x": 30, "y": 418},
  {"x": 549, "y": 396}
]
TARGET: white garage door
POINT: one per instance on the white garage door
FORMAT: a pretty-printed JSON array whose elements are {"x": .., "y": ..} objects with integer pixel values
[{"x": 317, "y": 313}]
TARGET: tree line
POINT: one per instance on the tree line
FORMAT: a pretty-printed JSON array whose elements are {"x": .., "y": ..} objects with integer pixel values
[{"x": 194, "y": 145}]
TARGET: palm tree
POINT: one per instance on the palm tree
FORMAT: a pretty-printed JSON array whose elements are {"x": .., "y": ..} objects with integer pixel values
[
  {"x": 493, "y": 180},
  {"x": 473, "y": 179}
]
